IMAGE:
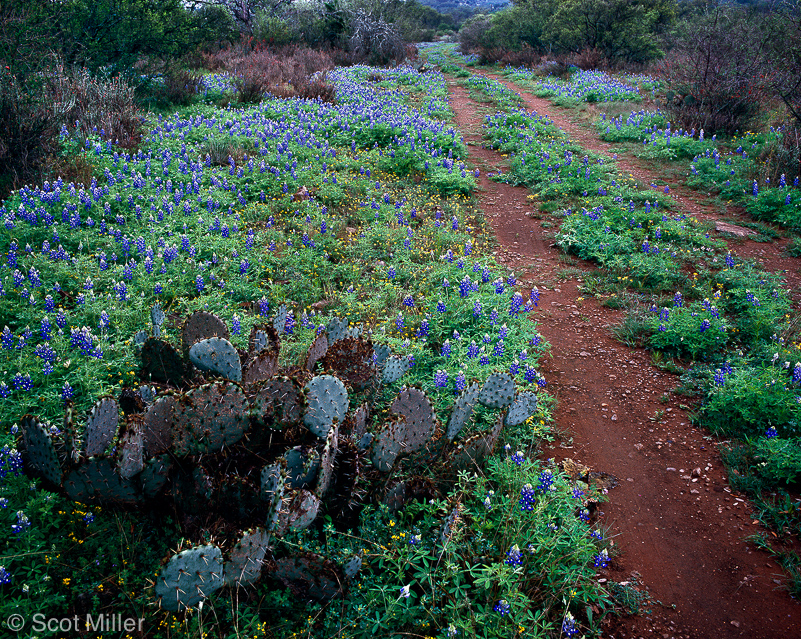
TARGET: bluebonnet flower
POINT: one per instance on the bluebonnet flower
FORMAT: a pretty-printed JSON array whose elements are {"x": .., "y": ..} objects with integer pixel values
[
  {"x": 399, "y": 323},
  {"x": 771, "y": 432},
  {"x": 755, "y": 189},
  {"x": 5, "y": 576},
  {"x": 577, "y": 492},
  {"x": 424, "y": 329},
  {"x": 516, "y": 303},
  {"x": 584, "y": 515},
  {"x": 445, "y": 283},
  {"x": 289, "y": 323},
  {"x": 514, "y": 368},
  {"x": 528, "y": 498},
  {"x": 499, "y": 286},
  {"x": 158, "y": 289},
  {"x": 502, "y": 607},
  {"x": 513, "y": 556},
  {"x": 441, "y": 308},
  {"x": 22, "y": 523},
  {"x": 488, "y": 500},
  {"x": 797, "y": 373},
  {"x": 569, "y": 627},
  {"x": 67, "y": 392},
  {"x": 596, "y": 534},
  {"x": 405, "y": 592},
  {"x": 49, "y": 304},
  {"x": 22, "y": 382},
  {"x": 391, "y": 272},
  {"x": 440, "y": 378},
  {"x": 705, "y": 325},
  {"x": 787, "y": 200},
  {"x": 264, "y": 306},
  {"x": 546, "y": 481},
  {"x": 601, "y": 560},
  {"x": 5, "y": 391},
  {"x": 408, "y": 301},
  {"x": 460, "y": 382},
  {"x": 472, "y": 350},
  {"x": 7, "y": 339},
  {"x": 446, "y": 349},
  {"x": 677, "y": 300},
  {"x": 518, "y": 458},
  {"x": 483, "y": 360}
]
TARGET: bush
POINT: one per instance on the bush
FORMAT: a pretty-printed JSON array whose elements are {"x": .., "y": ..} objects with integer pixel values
[
  {"x": 714, "y": 73},
  {"x": 778, "y": 460}
]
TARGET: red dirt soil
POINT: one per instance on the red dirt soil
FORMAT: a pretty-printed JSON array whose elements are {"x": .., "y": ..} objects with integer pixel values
[{"x": 679, "y": 527}]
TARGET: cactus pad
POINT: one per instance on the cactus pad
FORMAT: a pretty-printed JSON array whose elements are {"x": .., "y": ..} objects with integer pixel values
[
  {"x": 201, "y": 325},
  {"x": 462, "y": 410},
  {"x": 394, "y": 368},
  {"x": 498, "y": 391},
  {"x": 279, "y": 321},
  {"x": 277, "y": 402},
  {"x": 336, "y": 329},
  {"x": 317, "y": 350},
  {"x": 147, "y": 393},
  {"x": 157, "y": 432},
  {"x": 247, "y": 558},
  {"x": 208, "y": 418},
  {"x": 101, "y": 428},
  {"x": 263, "y": 338},
  {"x": 39, "y": 449},
  {"x": 471, "y": 454},
  {"x": 157, "y": 315},
  {"x": 139, "y": 339},
  {"x": 328, "y": 401},
  {"x": 355, "y": 425},
  {"x": 96, "y": 481},
  {"x": 352, "y": 567},
  {"x": 310, "y": 577},
  {"x": 154, "y": 475},
  {"x": 302, "y": 465},
  {"x": 395, "y": 499},
  {"x": 218, "y": 357},
  {"x": 273, "y": 483},
  {"x": 522, "y": 408},
  {"x": 130, "y": 451},
  {"x": 72, "y": 444},
  {"x": 189, "y": 577},
  {"x": 326, "y": 472},
  {"x": 351, "y": 360},
  {"x": 382, "y": 352},
  {"x": 260, "y": 367},
  {"x": 415, "y": 426},
  {"x": 162, "y": 362},
  {"x": 298, "y": 511}
]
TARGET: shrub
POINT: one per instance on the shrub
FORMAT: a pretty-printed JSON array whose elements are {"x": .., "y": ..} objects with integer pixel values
[{"x": 778, "y": 460}]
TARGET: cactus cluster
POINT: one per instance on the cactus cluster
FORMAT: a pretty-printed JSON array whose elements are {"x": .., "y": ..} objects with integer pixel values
[{"x": 230, "y": 436}]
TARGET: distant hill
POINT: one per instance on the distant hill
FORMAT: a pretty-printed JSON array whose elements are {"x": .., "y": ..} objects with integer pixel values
[{"x": 473, "y": 6}]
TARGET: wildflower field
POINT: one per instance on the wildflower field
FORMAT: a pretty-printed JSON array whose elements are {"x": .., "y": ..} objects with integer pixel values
[{"x": 263, "y": 378}]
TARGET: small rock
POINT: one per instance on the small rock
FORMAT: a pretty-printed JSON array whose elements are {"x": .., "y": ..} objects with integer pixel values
[
  {"x": 736, "y": 624},
  {"x": 696, "y": 472},
  {"x": 638, "y": 446},
  {"x": 671, "y": 469}
]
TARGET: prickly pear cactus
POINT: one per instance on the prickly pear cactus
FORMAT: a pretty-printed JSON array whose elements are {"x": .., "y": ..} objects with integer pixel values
[
  {"x": 475, "y": 449},
  {"x": 218, "y": 357},
  {"x": 139, "y": 339},
  {"x": 101, "y": 428},
  {"x": 302, "y": 466},
  {"x": 522, "y": 408},
  {"x": 328, "y": 401},
  {"x": 279, "y": 321},
  {"x": 96, "y": 480},
  {"x": 260, "y": 367},
  {"x": 326, "y": 472},
  {"x": 273, "y": 484},
  {"x": 462, "y": 410},
  {"x": 277, "y": 403},
  {"x": 72, "y": 444},
  {"x": 263, "y": 338},
  {"x": 414, "y": 427},
  {"x": 351, "y": 360},
  {"x": 147, "y": 393},
  {"x": 39, "y": 449},
  {"x": 336, "y": 329},
  {"x": 157, "y": 427},
  {"x": 355, "y": 424},
  {"x": 317, "y": 350},
  {"x": 352, "y": 567},
  {"x": 154, "y": 476},
  {"x": 298, "y": 510},
  {"x": 382, "y": 352},
  {"x": 395, "y": 499},
  {"x": 394, "y": 368},
  {"x": 247, "y": 558},
  {"x": 162, "y": 362},
  {"x": 208, "y": 418},
  {"x": 310, "y": 577},
  {"x": 201, "y": 325},
  {"x": 157, "y": 318},
  {"x": 498, "y": 391},
  {"x": 189, "y": 577},
  {"x": 130, "y": 450}
]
